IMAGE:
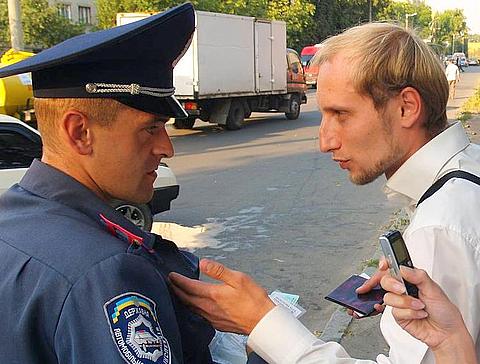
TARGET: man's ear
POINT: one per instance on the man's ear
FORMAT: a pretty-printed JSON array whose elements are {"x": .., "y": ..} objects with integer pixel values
[
  {"x": 77, "y": 131},
  {"x": 411, "y": 107}
]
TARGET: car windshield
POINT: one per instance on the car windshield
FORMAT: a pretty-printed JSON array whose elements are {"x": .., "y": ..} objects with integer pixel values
[
  {"x": 17, "y": 151},
  {"x": 306, "y": 59}
]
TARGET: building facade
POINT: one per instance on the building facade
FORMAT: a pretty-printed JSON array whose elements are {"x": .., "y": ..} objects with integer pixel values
[{"x": 78, "y": 11}]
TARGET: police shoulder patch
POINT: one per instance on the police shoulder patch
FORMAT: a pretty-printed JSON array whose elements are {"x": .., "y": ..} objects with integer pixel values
[{"x": 135, "y": 329}]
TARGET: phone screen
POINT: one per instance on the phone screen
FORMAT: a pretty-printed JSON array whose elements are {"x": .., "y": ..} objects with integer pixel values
[
  {"x": 346, "y": 296},
  {"x": 396, "y": 253},
  {"x": 400, "y": 251}
]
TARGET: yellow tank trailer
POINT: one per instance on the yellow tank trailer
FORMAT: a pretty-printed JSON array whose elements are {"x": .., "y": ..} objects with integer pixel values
[{"x": 16, "y": 97}]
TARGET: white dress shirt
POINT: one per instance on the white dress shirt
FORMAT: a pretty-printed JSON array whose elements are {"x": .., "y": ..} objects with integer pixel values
[{"x": 443, "y": 238}]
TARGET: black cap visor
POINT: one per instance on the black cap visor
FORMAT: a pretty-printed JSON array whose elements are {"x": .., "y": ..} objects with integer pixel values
[{"x": 164, "y": 106}]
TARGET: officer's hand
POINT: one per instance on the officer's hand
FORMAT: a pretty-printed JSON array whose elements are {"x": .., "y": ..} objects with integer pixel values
[
  {"x": 370, "y": 284},
  {"x": 237, "y": 304},
  {"x": 432, "y": 318}
]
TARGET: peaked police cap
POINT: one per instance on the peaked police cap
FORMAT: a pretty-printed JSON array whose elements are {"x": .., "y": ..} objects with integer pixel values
[{"x": 132, "y": 64}]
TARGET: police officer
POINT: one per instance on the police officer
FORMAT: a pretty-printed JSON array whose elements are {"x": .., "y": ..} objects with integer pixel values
[{"x": 79, "y": 283}]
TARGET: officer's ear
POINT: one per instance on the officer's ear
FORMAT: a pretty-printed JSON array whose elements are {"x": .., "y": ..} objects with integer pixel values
[{"x": 76, "y": 128}]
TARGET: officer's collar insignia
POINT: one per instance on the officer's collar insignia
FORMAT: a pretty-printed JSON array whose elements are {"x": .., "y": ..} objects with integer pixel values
[
  {"x": 122, "y": 233},
  {"x": 135, "y": 329}
]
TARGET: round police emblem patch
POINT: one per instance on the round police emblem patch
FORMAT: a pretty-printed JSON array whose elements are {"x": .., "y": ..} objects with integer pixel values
[{"x": 135, "y": 329}]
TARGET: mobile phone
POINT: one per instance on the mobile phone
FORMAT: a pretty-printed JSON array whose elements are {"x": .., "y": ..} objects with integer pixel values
[
  {"x": 346, "y": 296},
  {"x": 396, "y": 253}
]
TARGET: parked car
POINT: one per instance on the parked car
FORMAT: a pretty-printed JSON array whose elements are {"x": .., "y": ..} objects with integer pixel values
[
  {"x": 311, "y": 70},
  {"x": 20, "y": 144},
  {"x": 473, "y": 62}
]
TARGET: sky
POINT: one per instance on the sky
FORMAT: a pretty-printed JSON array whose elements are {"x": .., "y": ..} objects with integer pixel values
[{"x": 471, "y": 9}]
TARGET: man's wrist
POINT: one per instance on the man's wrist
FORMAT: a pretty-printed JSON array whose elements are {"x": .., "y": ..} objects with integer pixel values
[
  {"x": 458, "y": 348},
  {"x": 263, "y": 310}
]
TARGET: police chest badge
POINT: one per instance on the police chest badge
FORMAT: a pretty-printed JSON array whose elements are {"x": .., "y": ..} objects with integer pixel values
[{"x": 135, "y": 329}]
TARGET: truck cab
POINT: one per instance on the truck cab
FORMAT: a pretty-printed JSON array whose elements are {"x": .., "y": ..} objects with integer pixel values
[
  {"x": 311, "y": 71},
  {"x": 295, "y": 73}
]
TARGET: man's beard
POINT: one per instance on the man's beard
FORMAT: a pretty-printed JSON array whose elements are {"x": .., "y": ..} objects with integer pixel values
[
  {"x": 387, "y": 161},
  {"x": 376, "y": 171}
]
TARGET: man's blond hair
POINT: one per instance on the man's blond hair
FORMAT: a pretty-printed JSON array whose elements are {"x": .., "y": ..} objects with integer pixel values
[
  {"x": 385, "y": 58},
  {"x": 49, "y": 112}
]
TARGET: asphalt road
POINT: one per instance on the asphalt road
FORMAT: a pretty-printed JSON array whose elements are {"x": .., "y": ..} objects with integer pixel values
[{"x": 265, "y": 201}]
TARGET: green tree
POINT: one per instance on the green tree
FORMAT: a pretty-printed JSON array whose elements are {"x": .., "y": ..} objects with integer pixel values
[
  {"x": 398, "y": 11},
  {"x": 474, "y": 38},
  {"x": 4, "y": 32},
  {"x": 107, "y": 9},
  {"x": 43, "y": 26},
  {"x": 256, "y": 8},
  {"x": 449, "y": 28},
  {"x": 298, "y": 14},
  {"x": 333, "y": 16}
]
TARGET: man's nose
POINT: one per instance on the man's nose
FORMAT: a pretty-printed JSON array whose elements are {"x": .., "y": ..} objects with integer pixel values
[
  {"x": 327, "y": 136},
  {"x": 163, "y": 145}
]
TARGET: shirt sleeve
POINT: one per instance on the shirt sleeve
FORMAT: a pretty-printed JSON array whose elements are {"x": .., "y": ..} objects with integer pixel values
[
  {"x": 281, "y": 339},
  {"x": 119, "y": 311}
]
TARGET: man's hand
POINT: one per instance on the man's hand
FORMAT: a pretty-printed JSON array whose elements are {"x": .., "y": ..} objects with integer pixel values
[
  {"x": 237, "y": 304},
  {"x": 432, "y": 318},
  {"x": 370, "y": 284}
]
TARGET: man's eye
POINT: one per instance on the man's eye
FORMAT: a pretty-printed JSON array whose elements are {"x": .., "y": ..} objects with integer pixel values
[{"x": 153, "y": 129}]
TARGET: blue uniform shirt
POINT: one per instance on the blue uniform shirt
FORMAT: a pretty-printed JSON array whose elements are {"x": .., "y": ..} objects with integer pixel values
[{"x": 81, "y": 284}]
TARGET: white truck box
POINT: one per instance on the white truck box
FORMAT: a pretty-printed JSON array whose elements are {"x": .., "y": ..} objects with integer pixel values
[
  {"x": 232, "y": 55},
  {"x": 234, "y": 65}
]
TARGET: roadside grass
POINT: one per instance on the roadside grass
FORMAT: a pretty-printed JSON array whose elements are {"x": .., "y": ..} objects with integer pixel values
[
  {"x": 370, "y": 263},
  {"x": 474, "y": 49},
  {"x": 470, "y": 107}
]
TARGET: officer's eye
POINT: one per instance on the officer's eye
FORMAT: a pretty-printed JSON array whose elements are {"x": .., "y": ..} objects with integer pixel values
[{"x": 154, "y": 128}]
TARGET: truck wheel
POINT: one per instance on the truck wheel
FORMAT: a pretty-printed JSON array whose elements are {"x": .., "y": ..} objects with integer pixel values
[
  {"x": 236, "y": 115},
  {"x": 294, "y": 108},
  {"x": 139, "y": 214},
  {"x": 184, "y": 123}
]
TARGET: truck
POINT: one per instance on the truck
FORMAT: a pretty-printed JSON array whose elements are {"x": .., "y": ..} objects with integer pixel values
[
  {"x": 16, "y": 93},
  {"x": 235, "y": 65},
  {"x": 311, "y": 70}
]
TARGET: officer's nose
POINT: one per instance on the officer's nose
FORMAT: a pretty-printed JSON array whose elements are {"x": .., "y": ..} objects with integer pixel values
[
  {"x": 163, "y": 145},
  {"x": 327, "y": 135}
]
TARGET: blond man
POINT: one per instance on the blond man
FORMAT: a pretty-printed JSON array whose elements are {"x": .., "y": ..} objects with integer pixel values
[{"x": 382, "y": 93}]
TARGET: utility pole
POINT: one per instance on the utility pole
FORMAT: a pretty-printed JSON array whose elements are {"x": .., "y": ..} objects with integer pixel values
[
  {"x": 370, "y": 11},
  {"x": 15, "y": 21},
  {"x": 406, "y": 19}
]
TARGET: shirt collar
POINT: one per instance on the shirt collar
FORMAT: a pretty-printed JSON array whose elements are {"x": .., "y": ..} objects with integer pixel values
[
  {"x": 50, "y": 183},
  {"x": 419, "y": 172}
]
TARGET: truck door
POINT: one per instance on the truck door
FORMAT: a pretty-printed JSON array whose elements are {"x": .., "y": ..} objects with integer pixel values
[{"x": 263, "y": 57}]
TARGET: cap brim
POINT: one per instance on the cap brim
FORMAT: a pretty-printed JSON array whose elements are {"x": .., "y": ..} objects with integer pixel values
[{"x": 165, "y": 106}]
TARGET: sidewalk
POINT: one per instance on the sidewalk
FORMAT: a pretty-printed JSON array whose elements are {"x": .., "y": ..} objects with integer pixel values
[{"x": 362, "y": 338}]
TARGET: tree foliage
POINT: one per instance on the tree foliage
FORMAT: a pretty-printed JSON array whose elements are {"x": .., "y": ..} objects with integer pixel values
[
  {"x": 108, "y": 9},
  {"x": 474, "y": 38},
  {"x": 308, "y": 21},
  {"x": 398, "y": 11},
  {"x": 43, "y": 26},
  {"x": 449, "y": 27},
  {"x": 298, "y": 14},
  {"x": 333, "y": 16}
]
